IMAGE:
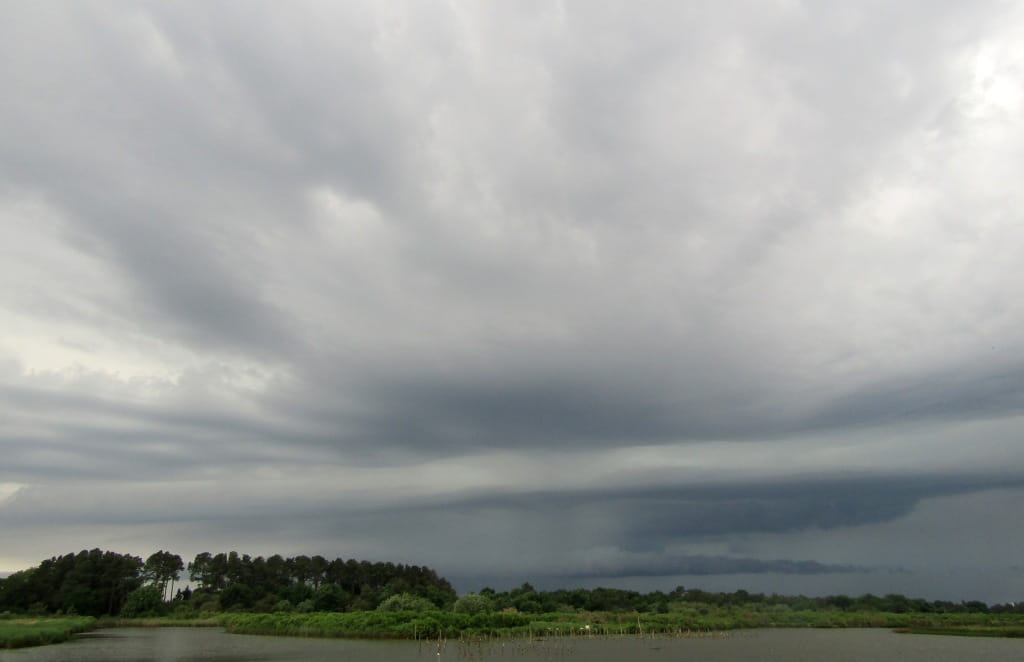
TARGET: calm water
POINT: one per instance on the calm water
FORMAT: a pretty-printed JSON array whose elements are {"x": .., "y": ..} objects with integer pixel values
[{"x": 213, "y": 645}]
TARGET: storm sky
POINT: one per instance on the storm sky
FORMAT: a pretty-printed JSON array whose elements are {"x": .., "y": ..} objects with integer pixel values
[{"x": 721, "y": 294}]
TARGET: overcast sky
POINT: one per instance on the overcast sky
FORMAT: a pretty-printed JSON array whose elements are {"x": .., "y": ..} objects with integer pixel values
[{"x": 721, "y": 294}]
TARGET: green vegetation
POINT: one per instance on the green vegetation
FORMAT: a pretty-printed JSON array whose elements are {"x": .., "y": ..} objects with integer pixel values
[
  {"x": 143, "y": 601},
  {"x": 406, "y": 602},
  {"x": 987, "y": 630},
  {"x": 158, "y": 622},
  {"x": 374, "y": 624},
  {"x": 98, "y": 583},
  {"x": 90, "y": 583},
  {"x": 311, "y": 596},
  {"x": 474, "y": 603},
  {"x": 528, "y": 600},
  {"x": 161, "y": 569},
  {"x": 22, "y": 632},
  {"x": 699, "y": 619}
]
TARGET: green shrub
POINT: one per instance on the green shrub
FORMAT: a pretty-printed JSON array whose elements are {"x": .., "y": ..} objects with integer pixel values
[
  {"x": 406, "y": 602},
  {"x": 19, "y": 633},
  {"x": 144, "y": 601},
  {"x": 472, "y": 603}
]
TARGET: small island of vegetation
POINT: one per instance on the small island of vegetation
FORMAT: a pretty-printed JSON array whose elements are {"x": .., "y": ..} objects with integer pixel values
[{"x": 312, "y": 596}]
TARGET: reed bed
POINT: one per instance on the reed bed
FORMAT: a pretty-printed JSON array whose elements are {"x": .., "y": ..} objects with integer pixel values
[
  {"x": 446, "y": 625},
  {"x": 24, "y": 632}
]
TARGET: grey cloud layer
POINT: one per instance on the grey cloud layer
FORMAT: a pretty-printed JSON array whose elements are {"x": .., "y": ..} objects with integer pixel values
[{"x": 341, "y": 236}]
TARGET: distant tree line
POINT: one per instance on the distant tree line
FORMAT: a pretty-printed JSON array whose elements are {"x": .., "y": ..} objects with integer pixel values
[
  {"x": 102, "y": 583},
  {"x": 528, "y": 600},
  {"x": 89, "y": 583},
  {"x": 307, "y": 583}
]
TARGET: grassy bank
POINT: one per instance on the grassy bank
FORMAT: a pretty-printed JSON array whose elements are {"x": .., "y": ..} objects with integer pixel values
[
  {"x": 157, "y": 622},
  {"x": 23, "y": 632},
  {"x": 432, "y": 624},
  {"x": 1014, "y": 631},
  {"x": 20, "y": 632}
]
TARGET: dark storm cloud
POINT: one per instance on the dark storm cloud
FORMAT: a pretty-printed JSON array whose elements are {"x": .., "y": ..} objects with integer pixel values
[
  {"x": 717, "y": 565},
  {"x": 637, "y": 519},
  {"x": 992, "y": 389},
  {"x": 663, "y": 566},
  {"x": 659, "y": 518},
  {"x": 643, "y": 402},
  {"x": 116, "y": 437},
  {"x": 643, "y": 517}
]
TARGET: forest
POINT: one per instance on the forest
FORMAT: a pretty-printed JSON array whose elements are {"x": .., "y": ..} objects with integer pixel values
[{"x": 103, "y": 583}]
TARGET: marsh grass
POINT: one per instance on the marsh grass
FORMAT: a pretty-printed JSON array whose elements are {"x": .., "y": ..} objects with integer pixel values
[
  {"x": 158, "y": 622},
  {"x": 426, "y": 625},
  {"x": 24, "y": 632},
  {"x": 439, "y": 626},
  {"x": 1012, "y": 631}
]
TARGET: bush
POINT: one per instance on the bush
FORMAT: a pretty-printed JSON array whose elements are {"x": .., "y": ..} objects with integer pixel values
[
  {"x": 209, "y": 608},
  {"x": 183, "y": 612},
  {"x": 144, "y": 601},
  {"x": 406, "y": 602},
  {"x": 472, "y": 603},
  {"x": 329, "y": 597}
]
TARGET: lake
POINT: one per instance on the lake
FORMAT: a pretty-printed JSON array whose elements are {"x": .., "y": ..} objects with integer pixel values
[{"x": 214, "y": 645}]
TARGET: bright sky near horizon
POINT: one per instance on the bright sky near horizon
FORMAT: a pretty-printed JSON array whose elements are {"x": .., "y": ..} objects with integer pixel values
[{"x": 636, "y": 294}]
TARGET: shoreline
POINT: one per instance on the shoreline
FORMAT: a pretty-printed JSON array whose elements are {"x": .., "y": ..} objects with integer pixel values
[{"x": 432, "y": 626}]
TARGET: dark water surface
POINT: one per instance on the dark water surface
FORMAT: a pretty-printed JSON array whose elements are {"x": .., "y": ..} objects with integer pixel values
[{"x": 214, "y": 645}]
